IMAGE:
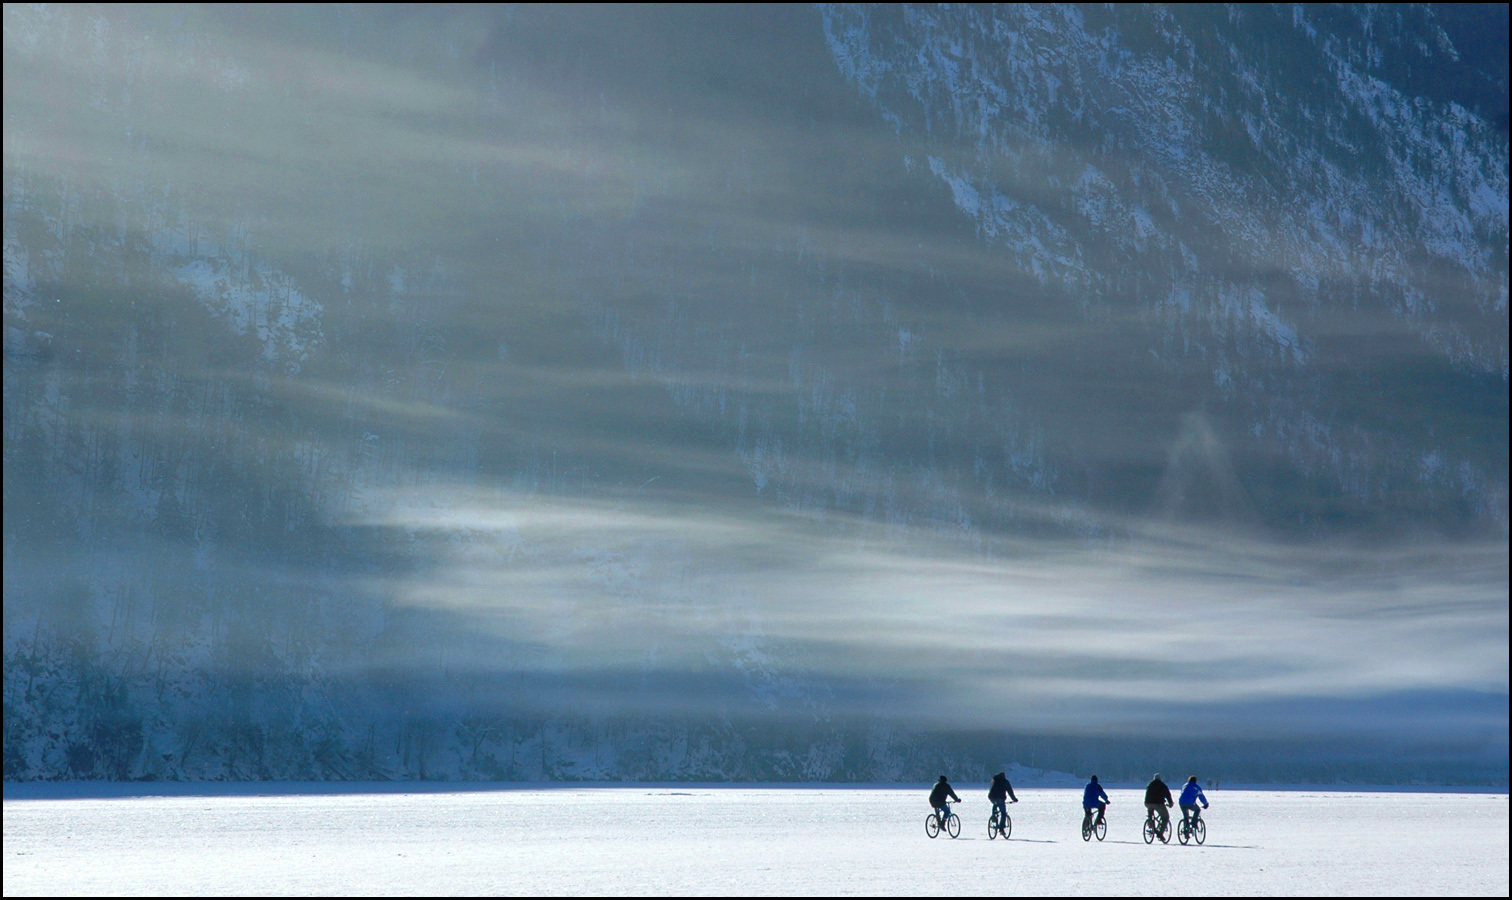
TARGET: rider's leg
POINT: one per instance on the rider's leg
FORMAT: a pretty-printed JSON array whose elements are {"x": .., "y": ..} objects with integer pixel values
[
  {"x": 1101, "y": 809},
  {"x": 1187, "y": 810}
]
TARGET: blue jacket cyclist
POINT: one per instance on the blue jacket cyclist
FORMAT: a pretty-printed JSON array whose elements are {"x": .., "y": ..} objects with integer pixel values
[
  {"x": 1094, "y": 797},
  {"x": 1190, "y": 794}
]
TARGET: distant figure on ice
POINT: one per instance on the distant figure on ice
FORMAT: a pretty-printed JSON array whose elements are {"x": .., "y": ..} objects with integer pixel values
[
  {"x": 1158, "y": 800},
  {"x": 942, "y": 789},
  {"x": 1190, "y": 794},
  {"x": 1093, "y": 797},
  {"x": 1000, "y": 792}
]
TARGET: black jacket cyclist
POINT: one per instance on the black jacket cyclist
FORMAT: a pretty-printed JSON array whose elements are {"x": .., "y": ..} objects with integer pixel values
[
  {"x": 1158, "y": 800},
  {"x": 942, "y": 789},
  {"x": 999, "y": 793}
]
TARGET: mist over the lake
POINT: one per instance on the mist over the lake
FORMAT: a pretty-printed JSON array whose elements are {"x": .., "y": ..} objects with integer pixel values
[{"x": 755, "y": 393}]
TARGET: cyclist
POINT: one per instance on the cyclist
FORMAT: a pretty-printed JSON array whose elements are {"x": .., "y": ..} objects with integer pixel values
[
  {"x": 1190, "y": 794},
  {"x": 942, "y": 789},
  {"x": 1158, "y": 800},
  {"x": 1000, "y": 792},
  {"x": 1093, "y": 797}
]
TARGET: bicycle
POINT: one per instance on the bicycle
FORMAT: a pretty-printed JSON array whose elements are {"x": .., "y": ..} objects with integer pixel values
[
  {"x": 995, "y": 828},
  {"x": 1094, "y": 823},
  {"x": 1193, "y": 829},
  {"x": 1153, "y": 831},
  {"x": 951, "y": 826}
]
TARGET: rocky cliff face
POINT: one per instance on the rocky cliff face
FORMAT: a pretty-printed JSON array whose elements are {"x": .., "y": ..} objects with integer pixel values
[
  {"x": 1241, "y": 189},
  {"x": 506, "y": 394}
]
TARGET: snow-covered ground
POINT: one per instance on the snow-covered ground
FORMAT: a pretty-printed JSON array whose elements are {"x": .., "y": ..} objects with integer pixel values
[{"x": 294, "y": 839}]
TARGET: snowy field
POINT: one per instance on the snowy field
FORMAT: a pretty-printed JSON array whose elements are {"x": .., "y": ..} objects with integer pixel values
[{"x": 720, "y": 840}]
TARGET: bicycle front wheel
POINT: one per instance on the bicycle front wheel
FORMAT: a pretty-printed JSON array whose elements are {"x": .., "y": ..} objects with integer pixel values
[
  {"x": 1101, "y": 829},
  {"x": 953, "y": 825},
  {"x": 1199, "y": 830},
  {"x": 932, "y": 826},
  {"x": 1007, "y": 827}
]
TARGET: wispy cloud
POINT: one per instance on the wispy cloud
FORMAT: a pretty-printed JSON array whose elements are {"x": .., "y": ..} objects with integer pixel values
[{"x": 1032, "y": 634}]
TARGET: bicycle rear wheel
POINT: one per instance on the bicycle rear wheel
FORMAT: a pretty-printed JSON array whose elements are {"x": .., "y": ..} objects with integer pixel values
[
  {"x": 1149, "y": 831},
  {"x": 1183, "y": 832},
  {"x": 932, "y": 826},
  {"x": 1086, "y": 829},
  {"x": 953, "y": 825},
  {"x": 992, "y": 828}
]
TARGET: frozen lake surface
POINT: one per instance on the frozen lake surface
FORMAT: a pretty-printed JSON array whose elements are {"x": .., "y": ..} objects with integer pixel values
[{"x": 292, "y": 839}]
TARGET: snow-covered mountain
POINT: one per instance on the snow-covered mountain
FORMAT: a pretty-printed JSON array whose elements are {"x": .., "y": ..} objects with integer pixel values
[{"x": 755, "y": 393}]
